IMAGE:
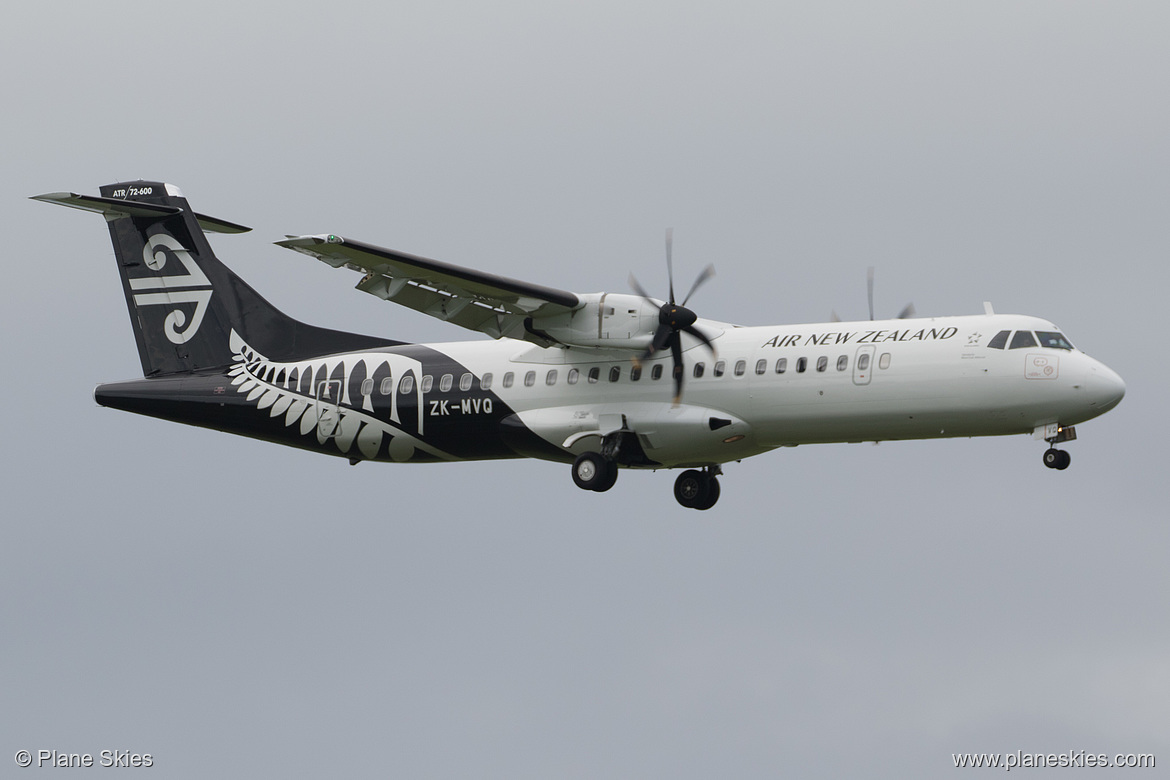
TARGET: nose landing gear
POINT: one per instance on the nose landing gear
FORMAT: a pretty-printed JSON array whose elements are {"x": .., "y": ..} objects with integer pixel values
[
  {"x": 1055, "y": 434},
  {"x": 1056, "y": 459}
]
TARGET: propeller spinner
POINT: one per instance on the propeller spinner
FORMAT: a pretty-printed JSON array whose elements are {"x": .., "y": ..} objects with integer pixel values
[{"x": 674, "y": 319}]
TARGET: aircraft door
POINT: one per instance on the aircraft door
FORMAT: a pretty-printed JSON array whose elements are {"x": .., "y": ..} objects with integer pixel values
[
  {"x": 328, "y": 411},
  {"x": 863, "y": 364}
]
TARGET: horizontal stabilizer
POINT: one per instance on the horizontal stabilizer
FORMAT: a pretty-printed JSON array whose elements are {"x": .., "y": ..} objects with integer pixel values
[{"x": 116, "y": 208}]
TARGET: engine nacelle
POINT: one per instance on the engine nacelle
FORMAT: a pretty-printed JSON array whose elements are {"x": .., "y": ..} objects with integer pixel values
[{"x": 604, "y": 320}]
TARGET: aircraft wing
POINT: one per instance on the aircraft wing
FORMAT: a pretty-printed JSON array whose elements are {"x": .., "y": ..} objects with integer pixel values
[{"x": 490, "y": 304}]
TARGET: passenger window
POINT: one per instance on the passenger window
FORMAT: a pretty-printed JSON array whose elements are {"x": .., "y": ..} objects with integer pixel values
[
  {"x": 801, "y": 364},
  {"x": 781, "y": 365},
  {"x": 426, "y": 383},
  {"x": 594, "y": 375},
  {"x": 509, "y": 378},
  {"x": 530, "y": 379},
  {"x": 999, "y": 340},
  {"x": 884, "y": 360},
  {"x": 699, "y": 367},
  {"x": 842, "y": 363},
  {"x": 822, "y": 363},
  {"x": 445, "y": 383},
  {"x": 407, "y": 384},
  {"x": 615, "y": 373},
  {"x": 386, "y": 386},
  {"x": 740, "y": 367},
  {"x": 465, "y": 382},
  {"x": 761, "y": 366},
  {"x": 368, "y": 386},
  {"x": 1022, "y": 340},
  {"x": 572, "y": 376},
  {"x": 1053, "y": 339},
  {"x": 485, "y": 381},
  {"x": 720, "y": 367},
  {"x": 550, "y": 378},
  {"x": 635, "y": 373},
  {"x": 656, "y": 372},
  {"x": 863, "y": 361}
]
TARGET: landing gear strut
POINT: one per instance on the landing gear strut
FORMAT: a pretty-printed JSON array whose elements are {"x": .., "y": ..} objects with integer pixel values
[
  {"x": 594, "y": 471},
  {"x": 697, "y": 489}
]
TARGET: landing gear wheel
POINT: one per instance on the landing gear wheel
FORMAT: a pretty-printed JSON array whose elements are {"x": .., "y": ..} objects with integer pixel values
[
  {"x": 712, "y": 494},
  {"x": 696, "y": 489},
  {"x": 592, "y": 471},
  {"x": 1056, "y": 459},
  {"x": 1063, "y": 461}
]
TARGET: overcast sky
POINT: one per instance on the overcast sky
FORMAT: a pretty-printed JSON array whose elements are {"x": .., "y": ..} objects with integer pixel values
[{"x": 236, "y": 608}]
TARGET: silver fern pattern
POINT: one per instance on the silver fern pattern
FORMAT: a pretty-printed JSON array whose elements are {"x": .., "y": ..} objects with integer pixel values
[{"x": 311, "y": 398}]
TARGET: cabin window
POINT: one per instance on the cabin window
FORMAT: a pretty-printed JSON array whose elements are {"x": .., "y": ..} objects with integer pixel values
[
  {"x": 761, "y": 366},
  {"x": 801, "y": 364},
  {"x": 863, "y": 361},
  {"x": 740, "y": 367},
  {"x": 1053, "y": 339},
  {"x": 884, "y": 361},
  {"x": 999, "y": 340},
  {"x": 842, "y": 362},
  {"x": 386, "y": 386},
  {"x": 656, "y": 372},
  {"x": 615, "y": 373},
  {"x": 635, "y": 373},
  {"x": 1022, "y": 340},
  {"x": 445, "y": 383},
  {"x": 368, "y": 386},
  {"x": 485, "y": 381},
  {"x": 699, "y": 368},
  {"x": 426, "y": 383},
  {"x": 781, "y": 365},
  {"x": 822, "y": 363},
  {"x": 594, "y": 375},
  {"x": 720, "y": 367},
  {"x": 509, "y": 378},
  {"x": 572, "y": 376},
  {"x": 550, "y": 378},
  {"x": 465, "y": 382},
  {"x": 406, "y": 385},
  {"x": 530, "y": 379}
]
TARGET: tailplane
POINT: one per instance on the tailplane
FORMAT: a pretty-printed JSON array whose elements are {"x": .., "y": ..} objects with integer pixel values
[{"x": 184, "y": 303}]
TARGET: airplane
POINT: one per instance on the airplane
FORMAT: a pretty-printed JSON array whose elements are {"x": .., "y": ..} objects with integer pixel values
[{"x": 602, "y": 381}]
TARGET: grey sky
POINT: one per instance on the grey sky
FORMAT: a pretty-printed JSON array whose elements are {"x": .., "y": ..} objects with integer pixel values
[{"x": 236, "y": 608}]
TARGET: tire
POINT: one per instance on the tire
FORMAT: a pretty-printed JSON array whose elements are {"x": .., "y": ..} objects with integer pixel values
[
  {"x": 712, "y": 494},
  {"x": 593, "y": 472},
  {"x": 1052, "y": 458},
  {"x": 1063, "y": 461},
  {"x": 691, "y": 488}
]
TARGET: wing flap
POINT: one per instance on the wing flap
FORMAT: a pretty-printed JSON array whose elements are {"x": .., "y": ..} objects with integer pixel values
[{"x": 495, "y": 305}]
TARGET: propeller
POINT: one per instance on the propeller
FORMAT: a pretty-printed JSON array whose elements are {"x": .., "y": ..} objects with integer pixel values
[
  {"x": 907, "y": 312},
  {"x": 674, "y": 319}
]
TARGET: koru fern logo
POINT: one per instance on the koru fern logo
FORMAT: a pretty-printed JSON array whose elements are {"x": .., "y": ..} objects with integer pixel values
[{"x": 193, "y": 286}]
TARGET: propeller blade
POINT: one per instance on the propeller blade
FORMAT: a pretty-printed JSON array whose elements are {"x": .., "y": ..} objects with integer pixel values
[
  {"x": 676, "y": 353},
  {"x": 706, "y": 274},
  {"x": 907, "y": 312},
  {"x": 869, "y": 286},
  {"x": 638, "y": 289},
  {"x": 669, "y": 263},
  {"x": 700, "y": 335}
]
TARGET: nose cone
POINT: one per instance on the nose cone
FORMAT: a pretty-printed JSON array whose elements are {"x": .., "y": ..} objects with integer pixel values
[{"x": 1105, "y": 387}]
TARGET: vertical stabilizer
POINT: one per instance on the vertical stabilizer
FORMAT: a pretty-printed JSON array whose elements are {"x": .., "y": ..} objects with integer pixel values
[{"x": 184, "y": 303}]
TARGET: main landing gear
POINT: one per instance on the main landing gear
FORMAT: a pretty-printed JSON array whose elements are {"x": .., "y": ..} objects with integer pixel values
[
  {"x": 694, "y": 489},
  {"x": 698, "y": 489}
]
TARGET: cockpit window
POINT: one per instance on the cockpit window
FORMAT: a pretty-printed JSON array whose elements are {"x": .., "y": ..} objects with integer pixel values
[
  {"x": 999, "y": 340},
  {"x": 1050, "y": 338},
  {"x": 1023, "y": 338}
]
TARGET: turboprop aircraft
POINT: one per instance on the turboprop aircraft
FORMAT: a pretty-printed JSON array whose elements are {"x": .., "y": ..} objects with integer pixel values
[{"x": 603, "y": 381}]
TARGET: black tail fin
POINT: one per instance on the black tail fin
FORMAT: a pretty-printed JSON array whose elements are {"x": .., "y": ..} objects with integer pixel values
[{"x": 184, "y": 303}]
